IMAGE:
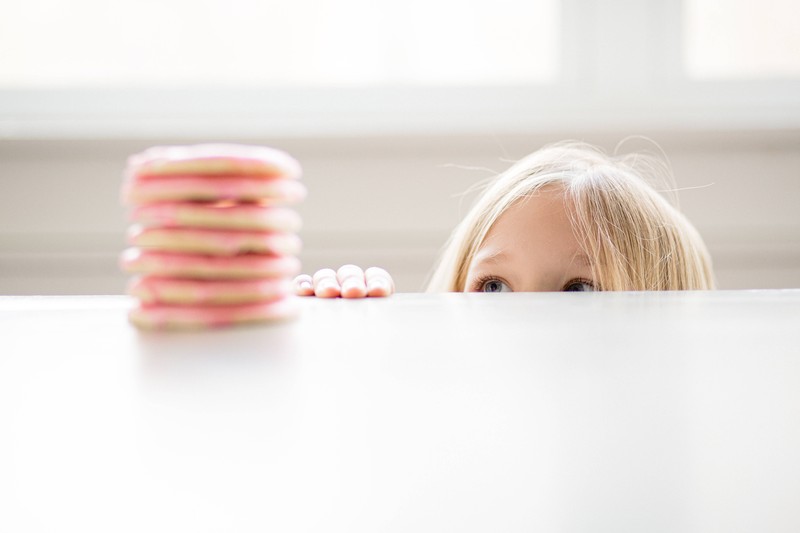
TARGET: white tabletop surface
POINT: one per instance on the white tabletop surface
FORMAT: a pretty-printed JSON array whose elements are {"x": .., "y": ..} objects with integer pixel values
[{"x": 673, "y": 412}]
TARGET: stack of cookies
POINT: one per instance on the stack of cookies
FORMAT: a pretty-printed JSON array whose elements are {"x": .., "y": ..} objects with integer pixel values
[{"x": 214, "y": 237}]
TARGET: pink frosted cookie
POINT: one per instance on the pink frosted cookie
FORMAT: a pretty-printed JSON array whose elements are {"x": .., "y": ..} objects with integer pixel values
[
  {"x": 222, "y": 215},
  {"x": 213, "y": 159},
  {"x": 169, "y": 317},
  {"x": 177, "y": 291},
  {"x": 214, "y": 242},
  {"x": 195, "y": 266},
  {"x": 210, "y": 188}
]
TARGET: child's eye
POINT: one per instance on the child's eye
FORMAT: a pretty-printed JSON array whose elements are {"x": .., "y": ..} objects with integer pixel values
[
  {"x": 579, "y": 285},
  {"x": 494, "y": 285}
]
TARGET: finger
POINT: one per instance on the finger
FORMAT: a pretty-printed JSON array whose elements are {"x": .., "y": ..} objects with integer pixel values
[
  {"x": 351, "y": 280},
  {"x": 303, "y": 285},
  {"x": 379, "y": 282},
  {"x": 325, "y": 284}
]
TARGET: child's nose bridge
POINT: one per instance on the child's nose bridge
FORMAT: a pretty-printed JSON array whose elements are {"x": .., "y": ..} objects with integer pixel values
[
  {"x": 539, "y": 282},
  {"x": 548, "y": 274}
]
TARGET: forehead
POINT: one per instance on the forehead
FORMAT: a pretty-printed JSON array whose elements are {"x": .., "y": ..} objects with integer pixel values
[
  {"x": 534, "y": 235},
  {"x": 539, "y": 219},
  {"x": 532, "y": 245}
]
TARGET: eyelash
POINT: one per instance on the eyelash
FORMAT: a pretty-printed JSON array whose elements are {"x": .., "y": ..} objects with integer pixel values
[
  {"x": 581, "y": 280},
  {"x": 481, "y": 281},
  {"x": 478, "y": 284}
]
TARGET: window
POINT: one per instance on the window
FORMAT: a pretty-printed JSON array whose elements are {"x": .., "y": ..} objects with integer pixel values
[
  {"x": 267, "y": 68},
  {"x": 267, "y": 43},
  {"x": 740, "y": 39}
]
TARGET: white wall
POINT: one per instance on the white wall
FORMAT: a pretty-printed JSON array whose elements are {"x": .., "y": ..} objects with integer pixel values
[{"x": 391, "y": 201}]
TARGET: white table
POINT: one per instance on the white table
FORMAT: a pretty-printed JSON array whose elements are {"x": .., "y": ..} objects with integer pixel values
[{"x": 673, "y": 412}]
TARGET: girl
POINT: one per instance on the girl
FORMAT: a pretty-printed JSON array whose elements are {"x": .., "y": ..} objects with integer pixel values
[{"x": 565, "y": 218}]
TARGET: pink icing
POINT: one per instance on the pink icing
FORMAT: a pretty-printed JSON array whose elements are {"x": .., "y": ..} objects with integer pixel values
[
  {"x": 200, "y": 175},
  {"x": 240, "y": 216},
  {"x": 139, "y": 192},
  {"x": 215, "y": 242},
  {"x": 195, "y": 266},
  {"x": 159, "y": 316},
  {"x": 151, "y": 290},
  {"x": 237, "y": 159}
]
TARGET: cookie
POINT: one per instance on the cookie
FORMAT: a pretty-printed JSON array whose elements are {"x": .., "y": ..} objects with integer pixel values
[
  {"x": 214, "y": 242},
  {"x": 179, "y": 291},
  {"x": 220, "y": 215},
  {"x": 212, "y": 189},
  {"x": 196, "y": 266},
  {"x": 211, "y": 241},
  {"x": 174, "y": 317},
  {"x": 213, "y": 159}
]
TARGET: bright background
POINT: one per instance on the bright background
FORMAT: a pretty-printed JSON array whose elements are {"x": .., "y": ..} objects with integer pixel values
[{"x": 394, "y": 110}]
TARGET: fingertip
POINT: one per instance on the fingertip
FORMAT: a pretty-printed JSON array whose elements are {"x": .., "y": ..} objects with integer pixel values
[
  {"x": 303, "y": 285},
  {"x": 304, "y": 291},
  {"x": 376, "y": 271},
  {"x": 348, "y": 271},
  {"x": 323, "y": 273},
  {"x": 327, "y": 288},
  {"x": 379, "y": 282},
  {"x": 353, "y": 288},
  {"x": 379, "y": 287}
]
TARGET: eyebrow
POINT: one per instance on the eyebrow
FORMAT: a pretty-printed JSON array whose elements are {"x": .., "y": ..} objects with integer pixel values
[
  {"x": 495, "y": 257},
  {"x": 500, "y": 255}
]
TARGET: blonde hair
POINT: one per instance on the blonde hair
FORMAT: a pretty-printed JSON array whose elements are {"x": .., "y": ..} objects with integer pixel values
[{"x": 634, "y": 238}]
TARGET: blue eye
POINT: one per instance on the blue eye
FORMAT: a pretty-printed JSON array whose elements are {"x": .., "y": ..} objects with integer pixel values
[
  {"x": 579, "y": 286},
  {"x": 494, "y": 285}
]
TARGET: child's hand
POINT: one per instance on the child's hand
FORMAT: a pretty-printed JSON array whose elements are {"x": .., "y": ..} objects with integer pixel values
[{"x": 348, "y": 282}]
